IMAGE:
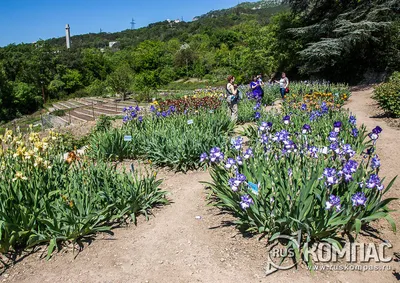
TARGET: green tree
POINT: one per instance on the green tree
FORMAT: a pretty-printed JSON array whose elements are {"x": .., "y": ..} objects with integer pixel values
[
  {"x": 6, "y": 98},
  {"x": 26, "y": 97},
  {"x": 72, "y": 80},
  {"x": 121, "y": 80},
  {"x": 343, "y": 38}
]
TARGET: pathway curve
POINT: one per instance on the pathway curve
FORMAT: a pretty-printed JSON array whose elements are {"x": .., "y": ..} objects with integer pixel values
[{"x": 189, "y": 241}]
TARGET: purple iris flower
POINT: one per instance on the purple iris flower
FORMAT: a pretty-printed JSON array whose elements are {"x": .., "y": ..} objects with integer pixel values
[
  {"x": 336, "y": 126},
  {"x": 286, "y": 120},
  {"x": 248, "y": 153},
  {"x": 334, "y": 201},
  {"x": 203, "y": 157},
  {"x": 375, "y": 162},
  {"x": 216, "y": 155},
  {"x": 239, "y": 160},
  {"x": 333, "y": 136},
  {"x": 374, "y": 182},
  {"x": 257, "y": 106},
  {"x": 233, "y": 184},
  {"x": 133, "y": 114},
  {"x": 374, "y": 135},
  {"x": 281, "y": 136},
  {"x": 352, "y": 165},
  {"x": 257, "y": 115},
  {"x": 352, "y": 120},
  {"x": 230, "y": 162},
  {"x": 246, "y": 201},
  {"x": 164, "y": 114},
  {"x": 377, "y": 130},
  {"x": 152, "y": 108},
  {"x": 137, "y": 108},
  {"x": 125, "y": 109},
  {"x": 330, "y": 176},
  {"x": 237, "y": 143},
  {"x": 304, "y": 107},
  {"x": 347, "y": 150},
  {"x": 313, "y": 151},
  {"x": 306, "y": 129},
  {"x": 354, "y": 132},
  {"x": 140, "y": 119},
  {"x": 172, "y": 108},
  {"x": 289, "y": 145},
  {"x": 264, "y": 139},
  {"x": 348, "y": 169},
  {"x": 263, "y": 127},
  {"x": 324, "y": 108},
  {"x": 241, "y": 178},
  {"x": 359, "y": 199},
  {"x": 334, "y": 147}
]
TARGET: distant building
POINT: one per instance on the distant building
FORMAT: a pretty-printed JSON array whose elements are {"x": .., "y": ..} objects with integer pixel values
[{"x": 113, "y": 44}]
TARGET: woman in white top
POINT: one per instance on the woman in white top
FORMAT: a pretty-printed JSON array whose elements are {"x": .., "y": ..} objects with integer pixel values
[{"x": 283, "y": 84}]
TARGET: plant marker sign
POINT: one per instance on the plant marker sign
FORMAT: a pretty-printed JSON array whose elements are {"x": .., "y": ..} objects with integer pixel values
[
  {"x": 189, "y": 122},
  {"x": 127, "y": 138}
]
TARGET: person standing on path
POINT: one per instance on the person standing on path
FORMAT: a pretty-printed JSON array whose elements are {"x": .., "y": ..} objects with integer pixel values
[
  {"x": 256, "y": 89},
  {"x": 232, "y": 97},
  {"x": 283, "y": 85}
]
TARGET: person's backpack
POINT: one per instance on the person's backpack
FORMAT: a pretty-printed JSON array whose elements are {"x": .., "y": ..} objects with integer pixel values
[{"x": 230, "y": 94}]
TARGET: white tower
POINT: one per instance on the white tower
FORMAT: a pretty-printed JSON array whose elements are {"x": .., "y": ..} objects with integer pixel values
[{"x": 68, "y": 36}]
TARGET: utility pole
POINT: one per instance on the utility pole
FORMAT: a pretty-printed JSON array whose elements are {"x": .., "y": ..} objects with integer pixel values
[{"x": 133, "y": 24}]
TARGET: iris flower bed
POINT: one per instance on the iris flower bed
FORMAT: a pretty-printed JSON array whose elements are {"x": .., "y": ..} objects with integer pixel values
[
  {"x": 48, "y": 200},
  {"x": 187, "y": 104},
  {"x": 308, "y": 170},
  {"x": 164, "y": 138}
]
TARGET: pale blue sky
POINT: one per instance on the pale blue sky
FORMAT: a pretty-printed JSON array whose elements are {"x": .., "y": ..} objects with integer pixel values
[{"x": 30, "y": 20}]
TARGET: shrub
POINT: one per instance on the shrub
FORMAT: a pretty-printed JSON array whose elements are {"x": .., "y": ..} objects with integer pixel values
[
  {"x": 103, "y": 123},
  {"x": 388, "y": 95},
  {"x": 59, "y": 112},
  {"x": 97, "y": 88},
  {"x": 70, "y": 142}
]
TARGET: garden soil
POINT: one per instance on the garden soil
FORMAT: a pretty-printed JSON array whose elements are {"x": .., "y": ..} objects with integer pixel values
[{"x": 190, "y": 241}]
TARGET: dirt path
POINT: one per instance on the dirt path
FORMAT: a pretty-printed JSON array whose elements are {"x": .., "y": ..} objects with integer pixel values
[{"x": 177, "y": 246}]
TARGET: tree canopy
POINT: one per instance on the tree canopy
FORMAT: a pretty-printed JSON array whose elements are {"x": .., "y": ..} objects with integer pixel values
[{"x": 331, "y": 39}]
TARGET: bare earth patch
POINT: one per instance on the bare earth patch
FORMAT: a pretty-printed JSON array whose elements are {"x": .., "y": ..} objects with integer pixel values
[{"x": 188, "y": 241}]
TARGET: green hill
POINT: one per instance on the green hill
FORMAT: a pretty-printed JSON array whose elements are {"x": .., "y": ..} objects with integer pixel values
[{"x": 348, "y": 41}]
